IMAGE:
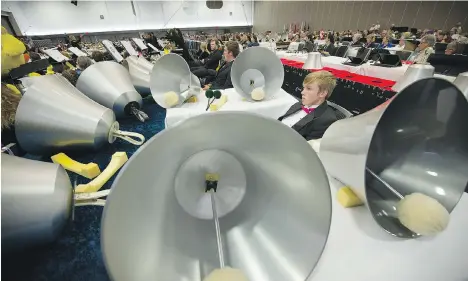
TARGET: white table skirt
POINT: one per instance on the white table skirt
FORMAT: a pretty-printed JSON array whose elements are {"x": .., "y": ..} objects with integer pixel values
[
  {"x": 357, "y": 249},
  {"x": 387, "y": 73},
  {"x": 274, "y": 108}
]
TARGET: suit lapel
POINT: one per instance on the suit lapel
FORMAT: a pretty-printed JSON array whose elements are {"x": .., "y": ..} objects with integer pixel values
[
  {"x": 310, "y": 117},
  {"x": 293, "y": 109}
]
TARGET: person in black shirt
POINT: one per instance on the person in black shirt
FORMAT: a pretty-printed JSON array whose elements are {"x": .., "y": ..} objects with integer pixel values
[
  {"x": 210, "y": 63},
  {"x": 203, "y": 52},
  {"x": 222, "y": 80}
]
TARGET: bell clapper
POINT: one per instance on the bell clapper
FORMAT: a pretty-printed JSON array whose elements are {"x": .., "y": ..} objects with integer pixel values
[
  {"x": 211, "y": 186},
  {"x": 418, "y": 212},
  {"x": 389, "y": 187},
  {"x": 140, "y": 115}
]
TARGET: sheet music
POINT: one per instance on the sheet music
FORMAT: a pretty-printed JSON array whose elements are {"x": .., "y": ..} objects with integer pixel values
[
  {"x": 139, "y": 43},
  {"x": 128, "y": 46},
  {"x": 77, "y": 51},
  {"x": 112, "y": 50},
  {"x": 153, "y": 47},
  {"x": 56, "y": 55}
]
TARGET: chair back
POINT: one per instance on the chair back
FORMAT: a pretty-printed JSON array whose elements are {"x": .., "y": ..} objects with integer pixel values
[
  {"x": 340, "y": 112},
  {"x": 404, "y": 55},
  {"x": 341, "y": 51}
]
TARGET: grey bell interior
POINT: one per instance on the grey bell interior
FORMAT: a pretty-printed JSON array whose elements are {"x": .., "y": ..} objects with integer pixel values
[
  {"x": 276, "y": 232},
  {"x": 425, "y": 137}
]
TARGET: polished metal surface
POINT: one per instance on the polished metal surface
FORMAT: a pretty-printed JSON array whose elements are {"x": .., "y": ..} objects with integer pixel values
[
  {"x": 36, "y": 202},
  {"x": 462, "y": 83},
  {"x": 54, "y": 116},
  {"x": 109, "y": 84},
  {"x": 171, "y": 73},
  {"x": 219, "y": 238},
  {"x": 314, "y": 61},
  {"x": 257, "y": 68},
  {"x": 140, "y": 73},
  {"x": 414, "y": 73},
  {"x": 276, "y": 233},
  {"x": 418, "y": 143},
  {"x": 231, "y": 187}
]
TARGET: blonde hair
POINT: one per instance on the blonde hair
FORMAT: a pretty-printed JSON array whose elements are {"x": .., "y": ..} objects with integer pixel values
[
  {"x": 204, "y": 47},
  {"x": 324, "y": 79}
]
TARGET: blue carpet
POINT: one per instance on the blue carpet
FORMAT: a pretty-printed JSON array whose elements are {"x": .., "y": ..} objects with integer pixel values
[{"x": 76, "y": 255}]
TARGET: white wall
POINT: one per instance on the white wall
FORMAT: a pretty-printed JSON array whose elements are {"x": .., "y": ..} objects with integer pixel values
[{"x": 59, "y": 17}]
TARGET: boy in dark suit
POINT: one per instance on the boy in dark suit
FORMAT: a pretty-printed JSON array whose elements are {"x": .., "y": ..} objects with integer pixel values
[
  {"x": 312, "y": 116},
  {"x": 222, "y": 80}
]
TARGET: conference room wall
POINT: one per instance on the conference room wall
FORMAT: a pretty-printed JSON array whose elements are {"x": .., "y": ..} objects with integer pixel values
[
  {"x": 59, "y": 17},
  {"x": 343, "y": 15}
]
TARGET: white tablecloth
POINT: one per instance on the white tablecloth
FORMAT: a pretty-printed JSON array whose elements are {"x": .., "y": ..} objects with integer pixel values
[
  {"x": 357, "y": 249},
  {"x": 274, "y": 107},
  {"x": 387, "y": 73}
]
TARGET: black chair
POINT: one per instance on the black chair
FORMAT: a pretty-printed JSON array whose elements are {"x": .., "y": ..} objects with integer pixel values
[
  {"x": 378, "y": 40},
  {"x": 340, "y": 112},
  {"x": 333, "y": 51},
  {"x": 388, "y": 60},
  {"x": 347, "y": 39},
  {"x": 404, "y": 55},
  {"x": 360, "y": 58},
  {"x": 300, "y": 47},
  {"x": 374, "y": 55},
  {"x": 341, "y": 51},
  {"x": 439, "y": 48},
  {"x": 464, "y": 49},
  {"x": 345, "y": 43},
  {"x": 449, "y": 64},
  {"x": 309, "y": 46}
]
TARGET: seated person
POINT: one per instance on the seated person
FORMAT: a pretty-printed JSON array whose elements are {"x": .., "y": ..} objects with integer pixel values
[
  {"x": 71, "y": 75},
  {"x": 82, "y": 63},
  {"x": 209, "y": 63},
  {"x": 254, "y": 42},
  {"x": 454, "y": 48},
  {"x": 369, "y": 41},
  {"x": 222, "y": 80},
  {"x": 356, "y": 40},
  {"x": 385, "y": 43},
  {"x": 312, "y": 117},
  {"x": 401, "y": 44},
  {"x": 203, "y": 52},
  {"x": 329, "y": 45},
  {"x": 424, "y": 50},
  {"x": 97, "y": 56}
]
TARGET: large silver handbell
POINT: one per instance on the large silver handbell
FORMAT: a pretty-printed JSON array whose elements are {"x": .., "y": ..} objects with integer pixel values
[
  {"x": 417, "y": 144},
  {"x": 140, "y": 72},
  {"x": 109, "y": 84},
  {"x": 257, "y": 74},
  {"x": 172, "y": 83},
  {"x": 37, "y": 202},
  {"x": 215, "y": 198},
  {"x": 414, "y": 73},
  {"x": 462, "y": 83},
  {"x": 54, "y": 116},
  {"x": 37, "y": 199}
]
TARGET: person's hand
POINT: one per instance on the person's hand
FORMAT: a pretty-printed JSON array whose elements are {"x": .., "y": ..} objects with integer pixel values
[{"x": 206, "y": 87}]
